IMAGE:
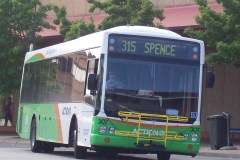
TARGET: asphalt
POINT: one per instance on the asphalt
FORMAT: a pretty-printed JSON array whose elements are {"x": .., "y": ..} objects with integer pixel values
[{"x": 11, "y": 139}]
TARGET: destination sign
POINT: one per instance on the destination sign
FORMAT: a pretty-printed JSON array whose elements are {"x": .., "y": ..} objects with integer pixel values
[{"x": 152, "y": 46}]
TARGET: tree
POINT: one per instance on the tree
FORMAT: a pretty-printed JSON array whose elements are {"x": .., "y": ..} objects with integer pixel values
[
  {"x": 79, "y": 28},
  {"x": 221, "y": 31},
  {"x": 121, "y": 12},
  {"x": 61, "y": 20},
  {"x": 71, "y": 30},
  {"x": 21, "y": 21},
  {"x": 127, "y": 12}
]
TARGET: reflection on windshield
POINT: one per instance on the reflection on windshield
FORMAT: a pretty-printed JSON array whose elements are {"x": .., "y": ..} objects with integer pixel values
[{"x": 150, "y": 87}]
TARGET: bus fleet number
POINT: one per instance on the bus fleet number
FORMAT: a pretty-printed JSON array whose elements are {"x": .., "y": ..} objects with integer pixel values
[
  {"x": 102, "y": 121},
  {"x": 194, "y": 129}
]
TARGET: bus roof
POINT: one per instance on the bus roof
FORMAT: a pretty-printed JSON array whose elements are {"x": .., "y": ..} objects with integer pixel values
[
  {"x": 95, "y": 40},
  {"x": 143, "y": 30}
]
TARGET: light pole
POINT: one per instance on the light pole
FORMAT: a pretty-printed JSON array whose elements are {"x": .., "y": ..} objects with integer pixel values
[{"x": 31, "y": 47}]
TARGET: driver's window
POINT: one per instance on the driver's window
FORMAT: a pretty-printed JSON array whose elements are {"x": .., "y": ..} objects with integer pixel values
[{"x": 114, "y": 78}]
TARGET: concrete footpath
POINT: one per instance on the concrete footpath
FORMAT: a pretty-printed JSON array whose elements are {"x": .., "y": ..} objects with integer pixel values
[
  {"x": 205, "y": 150},
  {"x": 11, "y": 139}
]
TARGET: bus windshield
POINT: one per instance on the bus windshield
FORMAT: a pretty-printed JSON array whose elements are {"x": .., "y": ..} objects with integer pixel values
[{"x": 150, "y": 85}]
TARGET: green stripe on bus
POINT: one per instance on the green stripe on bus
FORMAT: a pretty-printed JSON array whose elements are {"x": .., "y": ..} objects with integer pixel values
[
  {"x": 36, "y": 57},
  {"x": 46, "y": 121}
]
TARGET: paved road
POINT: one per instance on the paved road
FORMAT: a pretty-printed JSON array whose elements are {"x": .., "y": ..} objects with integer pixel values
[
  {"x": 13, "y": 153},
  {"x": 11, "y": 143}
]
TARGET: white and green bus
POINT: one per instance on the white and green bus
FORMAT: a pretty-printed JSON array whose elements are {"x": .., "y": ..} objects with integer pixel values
[{"x": 65, "y": 101}]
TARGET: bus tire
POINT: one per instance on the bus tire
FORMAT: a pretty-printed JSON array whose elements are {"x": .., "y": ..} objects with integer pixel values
[
  {"x": 163, "y": 156},
  {"x": 36, "y": 146},
  {"x": 80, "y": 152},
  {"x": 48, "y": 147}
]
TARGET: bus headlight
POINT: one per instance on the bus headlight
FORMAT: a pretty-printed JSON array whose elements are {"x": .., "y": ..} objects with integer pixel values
[
  {"x": 194, "y": 137},
  {"x": 185, "y": 136},
  {"x": 102, "y": 129},
  {"x": 111, "y": 130}
]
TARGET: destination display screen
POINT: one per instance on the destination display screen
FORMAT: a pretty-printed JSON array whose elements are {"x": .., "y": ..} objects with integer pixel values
[{"x": 161, "y": 47}]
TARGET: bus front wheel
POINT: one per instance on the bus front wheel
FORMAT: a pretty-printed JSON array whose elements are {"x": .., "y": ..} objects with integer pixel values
[
  {"x": 36, "y": 146},
  {"x": 163, "y": 156},
  {"x": 79, "y": 151}
]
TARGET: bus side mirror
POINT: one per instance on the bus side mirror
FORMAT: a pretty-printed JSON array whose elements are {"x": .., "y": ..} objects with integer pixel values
[
  {"x": 210, "y": 79},
  {"x": 92, "y": 82}
]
